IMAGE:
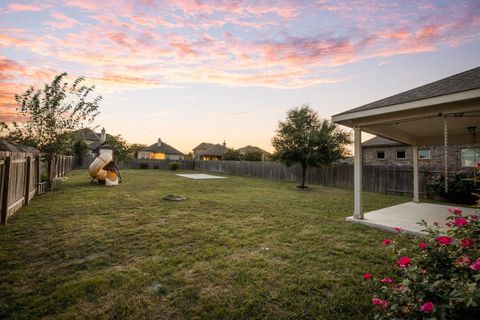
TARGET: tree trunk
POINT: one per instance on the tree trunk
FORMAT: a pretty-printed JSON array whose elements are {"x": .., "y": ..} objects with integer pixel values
[{"x": 304, "y": 172}]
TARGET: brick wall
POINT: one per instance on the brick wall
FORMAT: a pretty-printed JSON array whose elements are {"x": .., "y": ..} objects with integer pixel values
[{"x": 436, "y": 161}]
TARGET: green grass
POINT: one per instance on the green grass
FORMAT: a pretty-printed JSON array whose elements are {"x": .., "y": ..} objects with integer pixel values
[{"x": 239, "y": 248}]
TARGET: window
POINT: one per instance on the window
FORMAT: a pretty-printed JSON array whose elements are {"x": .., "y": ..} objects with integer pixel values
[
  {"x": 401, "y": 155},
  {"x": 380, "y": 155},
  {"x": 470, "y": 156},
  {"x": 424, "y": 154}
]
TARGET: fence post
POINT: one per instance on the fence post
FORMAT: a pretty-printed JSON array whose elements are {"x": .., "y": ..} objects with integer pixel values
[
  {"x": 39, "y": 174},
  {"x": 6, "y": 184},
  {"x": 28, "y": 180}
]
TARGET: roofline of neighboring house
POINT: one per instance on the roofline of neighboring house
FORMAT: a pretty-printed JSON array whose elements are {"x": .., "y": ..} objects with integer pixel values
[{"x": 442, "y": 99}]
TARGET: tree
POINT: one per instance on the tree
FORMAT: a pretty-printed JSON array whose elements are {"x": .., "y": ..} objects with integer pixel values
[
  {"x": 121, "y": 149},
  {"x": 307, "y": 140},
  {"x": 50, "y": 115},
  {"x": 252, "y": 156},
  {"x": 134, "y": 148},
  {"x": 232, "y": 154},
  {"x": 80, "y": 149}
]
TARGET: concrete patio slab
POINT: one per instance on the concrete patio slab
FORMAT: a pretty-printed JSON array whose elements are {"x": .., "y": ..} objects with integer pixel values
[
  {"x": 200, "y": 176},
  {"x": 406, "y": 216}
]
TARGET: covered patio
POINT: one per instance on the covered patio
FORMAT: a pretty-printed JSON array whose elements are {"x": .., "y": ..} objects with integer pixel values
[{"x": 443, "y": 112}]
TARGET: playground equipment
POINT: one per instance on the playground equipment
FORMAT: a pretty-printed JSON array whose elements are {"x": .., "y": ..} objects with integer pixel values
[{"x": 104, "y": 170}]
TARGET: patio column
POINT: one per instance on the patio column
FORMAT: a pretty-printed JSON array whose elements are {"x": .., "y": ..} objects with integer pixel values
[
  {"x": 416, "y": 197},
  {"x": 357, "y": 174}
]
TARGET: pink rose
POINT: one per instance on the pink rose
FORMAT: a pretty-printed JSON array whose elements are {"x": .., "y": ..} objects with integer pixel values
[
  {"x": 398, "y": 229},
  {"x": 444, "y": 240},
  {"x": 455, "y": 211},
  {"x": 367, "y": 276},
  {"x": 467, "y": 243},
  {"x": 449, "y": 224},
  {"x": 387, "y": 242},
  {"x": 475, "y": 265},
  {"x": 460, "y": 222},
  {"x": 478, "y": 165},
  {"x": 462, "y": 261},
  {"x": 474, "y": 217},
  {"x": 422, "y": 245},
  {"x": 380, "y": 303},
  {"x": 403, "y": 262},
  {"x": 427, "y": 307},
  {"x": 386, "y": 280}
]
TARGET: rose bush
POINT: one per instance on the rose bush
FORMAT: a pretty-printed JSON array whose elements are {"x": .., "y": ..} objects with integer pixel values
[{"x": 436, "y": 278}]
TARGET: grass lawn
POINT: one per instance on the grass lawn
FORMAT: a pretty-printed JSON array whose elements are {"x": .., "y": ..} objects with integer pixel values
[{"x": 239, "y": 248}]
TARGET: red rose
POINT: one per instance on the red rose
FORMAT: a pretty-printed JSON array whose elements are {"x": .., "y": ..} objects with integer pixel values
[
  {"x": 403, "y": 262},
  {"x": 380, "y": 303},
  {"x": 367, "y": 276},
  {"x": 444, "y": 240},
  {"x": 455, "y": 211},
  {"x": 386, "y": 242},
  {"x": 422, "y": 245},
  {"x": 427, "y": 307},
  {"x": 467, "y": 243},
  {"x": 460, "y": 222}
]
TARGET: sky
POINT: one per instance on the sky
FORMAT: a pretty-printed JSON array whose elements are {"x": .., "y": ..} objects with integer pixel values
[{"x": 190, "y": 71}]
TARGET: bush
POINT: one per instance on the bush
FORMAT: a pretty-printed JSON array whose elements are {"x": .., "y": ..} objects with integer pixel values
[
  {"x": 461, "y": 187},
  {"x": 44, "y": 177},
  {"x": 144, "y": 165},
  {"x": 437, "y": 279},
  {"x": 174, "y": 166}
]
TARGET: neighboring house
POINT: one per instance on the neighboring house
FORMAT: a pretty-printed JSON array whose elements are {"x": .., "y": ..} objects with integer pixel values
[
  {"x": 249, "y": 148},
  {"x": 215, "y": 152},
  {"x": 6, "y": 146},
  {"x": 200, "y": 148},
  {"x": 92, "y": 139},
  {"x": 382, "y": 151},
  {"x": 160, "y": 151}
]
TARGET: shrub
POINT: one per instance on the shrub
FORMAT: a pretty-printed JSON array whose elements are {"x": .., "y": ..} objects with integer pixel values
[
  {"x": 174, "y": 166},
  {"x": 144, "y": 165},
  {"x": 461, "y": 187},
  {"x": 439, "y": 278},
  {"x": 155, "y": 166}
]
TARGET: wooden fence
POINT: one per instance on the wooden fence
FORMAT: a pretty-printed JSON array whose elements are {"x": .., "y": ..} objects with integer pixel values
[
  {"x": 20, "y": 178},
  {"x": 388, "y": 179}
]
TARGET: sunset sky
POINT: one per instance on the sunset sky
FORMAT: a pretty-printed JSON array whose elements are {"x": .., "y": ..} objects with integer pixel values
[{"x": 193, "y": 71}]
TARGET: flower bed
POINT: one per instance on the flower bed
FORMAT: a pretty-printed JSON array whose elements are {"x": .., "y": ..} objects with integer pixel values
[{"x": 439, "y": 278}]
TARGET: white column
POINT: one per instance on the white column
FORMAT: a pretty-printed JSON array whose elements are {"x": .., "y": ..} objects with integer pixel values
[
  {"x": 416, "y": 192},
  {"x": 357, "y": 165}
]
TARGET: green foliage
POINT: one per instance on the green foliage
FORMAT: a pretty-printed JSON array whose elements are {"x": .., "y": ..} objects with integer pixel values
[
  {"x": 252, "y": 156},
  {"x": 307, "y": 140},
  {"x": 461, "y": 187},
  {"x": 441, "y": 277},
  {"x": 174, "y": 166},
  {"x": 232, "y": 154},
  {"x": 144, "y": 165},
  {"x": 134, "y": 148},
  {"x": 189, "y": 156},
  {"x": 121, "y": 150},
  {"x": 80, "y": 150},
  {"x": 51, "y": 114}
]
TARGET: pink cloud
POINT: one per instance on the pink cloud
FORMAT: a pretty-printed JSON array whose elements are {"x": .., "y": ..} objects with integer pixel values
[
  {"x": 24, "y": 7},
  {"x": 62, "y": 22}
]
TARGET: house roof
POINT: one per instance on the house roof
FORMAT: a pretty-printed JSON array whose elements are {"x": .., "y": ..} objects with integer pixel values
[
  {"x": 203, "y": 146},
  {"x": 215, "y": 150},
  {"x": 250, "y": 148},
  {"x": 464, "y": 81},
  {"x": 380, "y": 142},
  {"x": 163, "y": 148},
  {"x": 87, "y": 134},
  {"x": 6, "y": 146}
]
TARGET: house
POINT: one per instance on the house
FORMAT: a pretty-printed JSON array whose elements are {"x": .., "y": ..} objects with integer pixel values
[
  {"x": 214, "y": 152},
  {"x": 383, "y": 151},
  {"x": 160, "y": 151},
  {"x": 200, "y": 148},
  {"x": 251, "y": 149},
  {"x": 445, "y": 112},
  {"x": 6, "y": 146},
  {"x": 92, "y": 139}
]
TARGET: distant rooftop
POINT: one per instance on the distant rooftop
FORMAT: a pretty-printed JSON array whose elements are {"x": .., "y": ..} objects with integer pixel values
[{"x": 380, "y": 142}]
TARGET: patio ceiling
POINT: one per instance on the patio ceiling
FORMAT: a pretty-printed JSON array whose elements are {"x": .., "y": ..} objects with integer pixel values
[{"x": 420, "y": 125}]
